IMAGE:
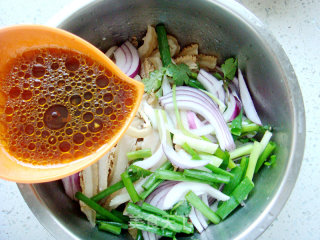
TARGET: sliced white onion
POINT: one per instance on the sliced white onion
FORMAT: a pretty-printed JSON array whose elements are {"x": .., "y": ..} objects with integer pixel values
[
  {"x": 179, "y": 191},
  {"x": 151, "y": 161},
  {"x": 247, "y": 102}
]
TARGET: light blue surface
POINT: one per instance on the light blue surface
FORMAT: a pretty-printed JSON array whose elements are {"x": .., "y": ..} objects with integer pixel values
[{"x": 296, "y": 25}]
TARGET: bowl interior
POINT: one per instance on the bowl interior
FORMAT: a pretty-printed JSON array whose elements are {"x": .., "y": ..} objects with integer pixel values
[{"x": 226, "y": 29}]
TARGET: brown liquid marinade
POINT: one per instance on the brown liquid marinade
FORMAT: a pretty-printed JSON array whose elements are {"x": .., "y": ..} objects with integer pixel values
[{"x": 60, "y": 105}]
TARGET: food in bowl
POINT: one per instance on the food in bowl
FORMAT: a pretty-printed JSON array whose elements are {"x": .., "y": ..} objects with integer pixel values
[{"x": 190, "y": 154}]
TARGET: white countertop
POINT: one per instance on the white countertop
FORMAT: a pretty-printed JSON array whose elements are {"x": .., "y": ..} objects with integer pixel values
[{"x": 296, "y": 25}]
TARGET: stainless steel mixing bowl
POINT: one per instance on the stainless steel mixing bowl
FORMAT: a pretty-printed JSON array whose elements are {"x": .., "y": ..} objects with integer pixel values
[{"x": 227, "y": 29}]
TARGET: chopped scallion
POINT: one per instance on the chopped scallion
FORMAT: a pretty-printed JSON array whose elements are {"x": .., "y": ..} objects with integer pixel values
[
  {"x": 130, "y": 187},
  {"x": 103, "y": 226},
  {"x": 143, "y": 153},
  {"x": 195, "y": 201},
  {"x": 206, "y": 176},
  {"x": 256, "y": 150},
  {"x": 95, "y": 206},
  {"x": 271, "y": 146}
]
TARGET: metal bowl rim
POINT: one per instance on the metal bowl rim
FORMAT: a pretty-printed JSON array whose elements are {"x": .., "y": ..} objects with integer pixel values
[{"x": 274, "y": 207}]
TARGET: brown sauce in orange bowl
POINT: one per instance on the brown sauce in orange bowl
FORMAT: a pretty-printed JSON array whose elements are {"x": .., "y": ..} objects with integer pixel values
[{"x": 59, "y": 105}]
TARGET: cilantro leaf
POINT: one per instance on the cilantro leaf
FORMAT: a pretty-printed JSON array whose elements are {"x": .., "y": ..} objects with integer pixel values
[
  {"x": 153, "y": 83},
  {"x": 236, "y": 125},
  {"x": 229, "y": 68},
  {"x": 180, "y": 73},
  {"x": 181, "y": 208},
  {"x": 138, "y": 171}
]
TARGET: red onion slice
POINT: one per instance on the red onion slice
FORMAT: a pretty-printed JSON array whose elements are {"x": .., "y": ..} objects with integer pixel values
[
  {"x": 192, "y": 92},
  {"x": 76, "y": 183},
  {"x": 222, "y": 131},
  {"x": 110, "y": 51},
  {"x": 179, "y": 191},
  {"x": 233, "y": 109},
  {"x": 195, "y": 221},
  {"x": 151, "y": 161},
  {"x": 157, "y": 201},
  {"x": 164, "y": 185},
  {"x": 128, "y": 55},
  {"x": 235, "y": 81},
  {"x": 172, "y": 155},
  {"x": 201, "y": 219},
  {"x": 180, "y": 162},
  {"x": 67, "y": 184},
  {"x": 120, "y": 58},
  {"x": 127, "y": 59},
  {"x": 192, "y": 99},
  {"x": 135, "y": 65},
  {"x": 204, "y": 130},
  {"x": 71, "y": 185},
  {"x": 247, "y": 102},
  {"x": 145, "y": 235},
  {"x": 191, "y": 116},
  {"x": 212, "y": 84}
]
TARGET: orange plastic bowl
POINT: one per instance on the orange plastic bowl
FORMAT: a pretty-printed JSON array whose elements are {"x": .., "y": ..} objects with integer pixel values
[{"x": 17, "y": 39}]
